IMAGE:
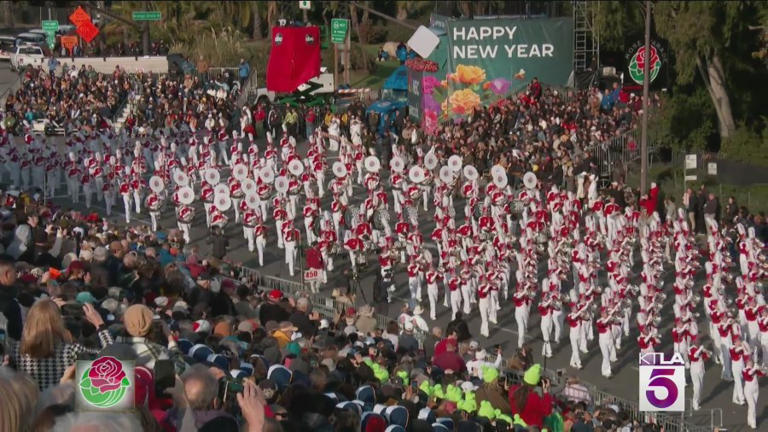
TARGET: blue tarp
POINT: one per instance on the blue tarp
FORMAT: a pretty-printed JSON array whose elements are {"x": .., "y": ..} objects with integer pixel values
[
  {"x": 385, "y": 106},
  {"x": 398, "y": 80}
]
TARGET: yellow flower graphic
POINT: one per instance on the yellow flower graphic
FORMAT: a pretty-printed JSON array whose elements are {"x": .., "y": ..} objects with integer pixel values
[
  {"x": 463, "y": 101},
  {"x": 470, "y": 74}
]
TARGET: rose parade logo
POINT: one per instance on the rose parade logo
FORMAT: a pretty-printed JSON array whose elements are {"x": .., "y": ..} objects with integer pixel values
[
  {"x": 637, "y": 60},
  {"x": 105, "y": 383}
]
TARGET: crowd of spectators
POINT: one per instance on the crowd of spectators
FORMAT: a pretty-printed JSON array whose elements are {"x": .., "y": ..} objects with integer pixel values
[
  {"x": 85, "y": 286},
  {"x": 75, "y": 98}
]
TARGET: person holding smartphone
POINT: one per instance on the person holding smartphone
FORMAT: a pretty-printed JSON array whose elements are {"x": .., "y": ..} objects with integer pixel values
[{"x": 528, "y": 405}]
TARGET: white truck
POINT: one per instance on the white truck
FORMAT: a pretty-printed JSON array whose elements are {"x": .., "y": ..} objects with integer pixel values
[{"x": 320, "y": 87}]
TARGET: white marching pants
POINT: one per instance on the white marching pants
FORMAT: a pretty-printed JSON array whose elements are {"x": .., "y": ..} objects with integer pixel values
[
  {"x": 153, "y": 215},
  {"x": 546, "y": 333},
  {"x": 574, "y": 335},
  {"x": 606, "y": 343},
  {"x": 127, "y": 207},
  {"x": 248, "y": 234},
  {"x": 137, "y": 201},
  {"x": 521, "y": 318},
  {"x": 751, "y": 392},
  {"x": 414, "y": 287},
  {"x": 290, "y": 255},
  {"x": 697, "y": 378},
  {"x": 185, "y": 231},
  {"x": 455, "y": 303},
  {"x": 432, "y": 295},
  {"x": 260, "y": 243},
  {"x": 484, "y": 304},
  {"x": 738, "y": 382}
]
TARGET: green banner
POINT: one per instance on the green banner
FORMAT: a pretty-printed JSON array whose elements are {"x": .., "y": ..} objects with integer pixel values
[
  {"x": 514, "y": 49},
  {"x": 484, "y": 60}
]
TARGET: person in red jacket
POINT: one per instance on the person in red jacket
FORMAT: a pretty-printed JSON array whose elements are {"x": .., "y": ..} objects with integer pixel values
[{"x": 528, "y": 406}]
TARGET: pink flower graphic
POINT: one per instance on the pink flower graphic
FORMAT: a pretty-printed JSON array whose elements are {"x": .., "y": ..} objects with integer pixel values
[{"x": 106, "y": 374}]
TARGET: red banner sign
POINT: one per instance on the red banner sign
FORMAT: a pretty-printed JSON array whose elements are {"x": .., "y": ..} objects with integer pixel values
[
  {"x": 69, "y": 42},
  {"x": 87, "y": 31},
  {"x": 79, "y": 16}
]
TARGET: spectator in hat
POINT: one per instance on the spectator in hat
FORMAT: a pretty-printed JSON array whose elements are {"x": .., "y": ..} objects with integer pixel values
[
  {"x": 138, "y": 320},
  {"x": 285, "y": 330},
  {"x": 271, "y": 310},
  {"x": 365, "y": 323},
  {"x": 530, "y": 408},
  {"x": 492, "y": 390}
]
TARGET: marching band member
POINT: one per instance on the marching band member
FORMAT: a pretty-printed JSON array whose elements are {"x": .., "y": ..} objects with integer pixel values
[
  {"x": 260, "y": 232},
  {"x": 291, "y": 238},
  {"x": 185, "y": 214},
  {"x": 545, "y": 310},
  {"x": 750, "y": 375},
  {"x": 574, "y": 324},
  {"x": 522, "y": 301},
  {"x": 696, "y": 357},
  {"x": 432, "y": 276},
  {"x": 605, "y": 339},
  {"x": 153, "y": 203},
  {"x": 739, "y": 352},
  {"x": 125, "y": 191}
]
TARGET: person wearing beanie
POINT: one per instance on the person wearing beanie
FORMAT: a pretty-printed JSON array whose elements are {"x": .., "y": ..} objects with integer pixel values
[
  {"x": 137, "y": 320},
  {"x": 528, "y": 406},
  {"x": 492, "y": 390}
]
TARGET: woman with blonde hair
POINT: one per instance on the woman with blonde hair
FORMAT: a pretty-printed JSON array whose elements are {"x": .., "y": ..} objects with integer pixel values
[
  {"x": 18, "y": 395},
  {"x": 47, "y": 348}
]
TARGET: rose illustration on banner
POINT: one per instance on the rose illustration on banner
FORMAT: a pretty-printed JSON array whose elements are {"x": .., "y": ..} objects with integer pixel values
[
  {"x": 104, "y": 384},
  {"x": 499, "y": 86},
  {"x": 428, "y": 84},
  {"x": 637, "y": 65},
  {"x": 464, "y": 101},
  {"x": 469, "y": 74}
]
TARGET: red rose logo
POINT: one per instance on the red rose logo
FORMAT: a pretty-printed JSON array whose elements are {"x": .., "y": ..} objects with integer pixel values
[
  {"x": 640, "y": 58},
  {"x": 106, "y": 374}
]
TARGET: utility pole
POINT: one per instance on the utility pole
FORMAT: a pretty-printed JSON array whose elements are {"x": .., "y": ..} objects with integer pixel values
[{"x": 646, "y": 104}]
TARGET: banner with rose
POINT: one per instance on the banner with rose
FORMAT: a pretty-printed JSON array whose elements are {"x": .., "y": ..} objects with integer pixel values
[{"x": 105, "y": 383}]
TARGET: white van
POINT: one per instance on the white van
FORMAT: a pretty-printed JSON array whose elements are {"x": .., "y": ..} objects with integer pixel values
[
  {"x": 26, "y": 54},
  {"x": 7, "y": 47},
  {"x": 28, "y": 37}
]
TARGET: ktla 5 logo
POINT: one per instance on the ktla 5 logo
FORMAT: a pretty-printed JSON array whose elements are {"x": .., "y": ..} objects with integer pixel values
[{"x": 662, "y": 382}]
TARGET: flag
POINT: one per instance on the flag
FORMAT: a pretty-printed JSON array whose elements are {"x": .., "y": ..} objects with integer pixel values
[{"x": 294, "y": 57}]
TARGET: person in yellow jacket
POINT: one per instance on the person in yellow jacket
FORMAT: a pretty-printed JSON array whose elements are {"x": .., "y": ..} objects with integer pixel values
[{"x": 283, "y": 333}]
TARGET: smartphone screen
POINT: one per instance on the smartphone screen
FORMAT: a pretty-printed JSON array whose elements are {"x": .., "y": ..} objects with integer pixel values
[{"x": 165, "y": 377}]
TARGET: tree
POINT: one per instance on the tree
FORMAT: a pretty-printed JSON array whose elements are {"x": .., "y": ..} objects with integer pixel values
[
  {"x": 256, "y": 33},
  {"x": 8, "y": 13},
  {"x": 617, "y": 23},
  {"x": 703, "y": 36}
]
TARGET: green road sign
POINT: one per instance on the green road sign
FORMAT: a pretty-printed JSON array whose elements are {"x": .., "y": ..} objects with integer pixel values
[
  {"x": 50, "y": 26},
  {"x": 339, "y": 27},
  {"x": 146, "y": 15},
  {"x": 305, "y": 5}
]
